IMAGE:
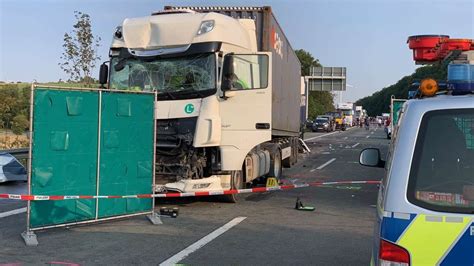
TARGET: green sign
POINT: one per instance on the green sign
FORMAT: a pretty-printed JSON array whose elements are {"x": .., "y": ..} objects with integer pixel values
[
  {"x": 397, "y": 105},
  {"x": 189, "y": 108}
]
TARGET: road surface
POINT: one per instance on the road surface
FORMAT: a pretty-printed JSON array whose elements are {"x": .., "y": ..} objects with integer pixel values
[{"x": 262, "y": 229}]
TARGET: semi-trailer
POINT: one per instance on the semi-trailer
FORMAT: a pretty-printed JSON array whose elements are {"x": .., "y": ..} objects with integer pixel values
[{"x": 229, "y": 93}]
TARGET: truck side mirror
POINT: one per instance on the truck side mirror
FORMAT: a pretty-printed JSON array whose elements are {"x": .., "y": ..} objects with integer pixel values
[
  {"x": 103, "y": 74},
  {"x": 371, "y": 157},
  {"x": 227, "y": 73}
]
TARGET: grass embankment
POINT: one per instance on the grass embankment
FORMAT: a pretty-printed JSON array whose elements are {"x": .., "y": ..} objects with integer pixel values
[{"x": 11, "y": 141}]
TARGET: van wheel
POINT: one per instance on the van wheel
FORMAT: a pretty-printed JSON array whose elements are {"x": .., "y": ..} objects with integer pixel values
[
  {"x": 236, "y": 182},
  {"x": 275, "y": 164}
]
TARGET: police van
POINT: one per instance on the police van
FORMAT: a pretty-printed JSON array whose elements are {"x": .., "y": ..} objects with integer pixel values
[{"x": 425, "y": 205}]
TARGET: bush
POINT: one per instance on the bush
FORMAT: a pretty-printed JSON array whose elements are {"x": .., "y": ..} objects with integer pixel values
[{"x": 20, "y": 124}]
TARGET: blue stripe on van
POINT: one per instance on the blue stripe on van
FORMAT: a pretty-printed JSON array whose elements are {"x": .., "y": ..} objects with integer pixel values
[
  {"x": 392, "y": 228},
  {"x": 463, "y": 252}
]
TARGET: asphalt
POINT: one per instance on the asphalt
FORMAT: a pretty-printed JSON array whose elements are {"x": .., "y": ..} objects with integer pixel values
[{"x": 338, "y": 232}]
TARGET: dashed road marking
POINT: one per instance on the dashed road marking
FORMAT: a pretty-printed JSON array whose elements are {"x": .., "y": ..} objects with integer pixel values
[
  {"x": 355, "y": 145},
  {"x": 13, "y": 212},
  {"x": 202, "y": 242},
  {"x": 326, "y": 164},
  {"x": 317, "y": 137}
]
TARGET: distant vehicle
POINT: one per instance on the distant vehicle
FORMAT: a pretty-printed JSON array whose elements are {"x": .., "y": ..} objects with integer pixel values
[
  {"x": 332, "y": 121},
  {"x": 347, "y": 110},
  {"x": 425, "y": 206},
  {"x": 11, "y": 169},
  {"x": 309, "y": 124},
  {"x": 322, "y": 124}
]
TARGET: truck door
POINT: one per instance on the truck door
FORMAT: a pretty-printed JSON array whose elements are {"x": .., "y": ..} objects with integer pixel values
[{"x": 245, "y": 107}]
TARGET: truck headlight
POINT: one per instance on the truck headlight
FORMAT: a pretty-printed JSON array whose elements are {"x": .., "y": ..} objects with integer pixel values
[{"x": 206, "y": 26}]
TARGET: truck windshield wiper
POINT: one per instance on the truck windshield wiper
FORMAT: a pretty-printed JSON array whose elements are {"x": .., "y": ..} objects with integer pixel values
[
  {"x": 170, "y": 95},
  {"x": 191, "y": 91}
]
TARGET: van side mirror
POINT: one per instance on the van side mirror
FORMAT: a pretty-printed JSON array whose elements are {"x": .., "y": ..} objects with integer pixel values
[
  {"x": 371, "y": 157},
  {"x": 227, "y": 72},
  {"x": 103, "y": 74}
]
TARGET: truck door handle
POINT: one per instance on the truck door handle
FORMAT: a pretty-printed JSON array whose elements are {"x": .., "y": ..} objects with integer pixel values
[{"x": 262, "y": 125}]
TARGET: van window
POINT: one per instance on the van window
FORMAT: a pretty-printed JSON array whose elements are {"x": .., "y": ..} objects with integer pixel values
[{"x": 442, "y": 171}]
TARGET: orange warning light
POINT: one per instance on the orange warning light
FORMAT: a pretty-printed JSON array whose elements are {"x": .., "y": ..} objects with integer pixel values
[{"x": 428, "y": 87}]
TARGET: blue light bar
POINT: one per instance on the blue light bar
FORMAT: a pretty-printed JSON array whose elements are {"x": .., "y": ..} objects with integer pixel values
[{"x": 461, "y": 78}]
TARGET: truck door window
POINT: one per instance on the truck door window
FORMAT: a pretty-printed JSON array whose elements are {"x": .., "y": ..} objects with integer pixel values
[
  {"x": 442, "y": 172},
  {"x": 250, "y": 72}
]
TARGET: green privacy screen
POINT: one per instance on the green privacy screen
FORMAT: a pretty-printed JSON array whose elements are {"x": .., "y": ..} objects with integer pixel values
[
  {"x": 126, "y": 157},
  {"x": 64, "y": 151},
  {"x": 65, "y": 154}
]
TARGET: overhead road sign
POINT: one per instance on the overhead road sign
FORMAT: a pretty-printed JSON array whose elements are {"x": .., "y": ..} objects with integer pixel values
[{"x": 326, "y": 79}]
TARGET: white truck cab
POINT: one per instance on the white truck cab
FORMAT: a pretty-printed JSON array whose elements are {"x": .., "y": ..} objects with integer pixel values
[{"x": 228, "y": 86}]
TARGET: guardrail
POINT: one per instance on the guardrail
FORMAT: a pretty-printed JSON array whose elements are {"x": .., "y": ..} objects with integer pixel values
[{"x": 21, "y": 153}]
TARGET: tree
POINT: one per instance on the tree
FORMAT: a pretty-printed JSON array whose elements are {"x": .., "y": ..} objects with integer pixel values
[
  {"x": 379, "y": 102},
  {"x": 319, "y": 102},
  {"x": 14, "y": 100},
  {"x": 80, "y": 49},
  {"x": 307, "y": 61},
  {"x": 20, "y": 124}
]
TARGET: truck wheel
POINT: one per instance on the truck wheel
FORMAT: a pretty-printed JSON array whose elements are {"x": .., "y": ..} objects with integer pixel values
[
  {"x": 275, "y": 164},
  {"x": 236, "y": 182}
]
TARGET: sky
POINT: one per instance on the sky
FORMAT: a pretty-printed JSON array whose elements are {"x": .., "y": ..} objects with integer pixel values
[{"x": 366, "y": 36}]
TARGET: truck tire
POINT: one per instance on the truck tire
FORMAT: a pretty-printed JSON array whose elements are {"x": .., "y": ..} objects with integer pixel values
[
  {"x": 236, "y": 182},
  {"x": 275, "y": 164}
]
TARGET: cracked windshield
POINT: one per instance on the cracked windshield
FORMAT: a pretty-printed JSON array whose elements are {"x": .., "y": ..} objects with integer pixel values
[{"x": 195, "y": 73}]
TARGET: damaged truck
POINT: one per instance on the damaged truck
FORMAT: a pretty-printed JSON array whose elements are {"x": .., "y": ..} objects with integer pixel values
[{"x": 228, "y": 93}]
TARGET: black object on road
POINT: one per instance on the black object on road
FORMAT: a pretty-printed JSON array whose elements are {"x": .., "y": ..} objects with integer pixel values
[
  {"x": 172, "y": 212},
  {"x": 300, "y": 207}
]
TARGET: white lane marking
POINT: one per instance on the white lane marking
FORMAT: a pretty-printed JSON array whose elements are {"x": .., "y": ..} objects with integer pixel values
[
  {"x": 202, "y": 242},
  {"x": 326, "y": 152},
  {"x": 312, "y": 170},
  {"x": 13, "y": 212},
  {"x": 317, "y": 137},
  {"x": 368, "y": 136},
  {"x": 326, "y": 164},
  {"x": 355, "y": 145}
]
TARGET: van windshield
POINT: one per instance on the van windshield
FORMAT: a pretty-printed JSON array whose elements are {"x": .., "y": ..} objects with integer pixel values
[{"x": 442, "y": 172}]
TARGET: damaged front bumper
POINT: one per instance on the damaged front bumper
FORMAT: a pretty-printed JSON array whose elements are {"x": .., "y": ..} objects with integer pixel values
[{"x": 213, "y": 183}]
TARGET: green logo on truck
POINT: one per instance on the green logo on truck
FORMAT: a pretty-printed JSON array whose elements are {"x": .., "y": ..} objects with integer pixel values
[{"x": 189, "y": 108}]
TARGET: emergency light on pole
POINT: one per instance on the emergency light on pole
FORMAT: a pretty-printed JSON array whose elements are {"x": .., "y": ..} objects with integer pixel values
[{"x": 457, "y": 53}]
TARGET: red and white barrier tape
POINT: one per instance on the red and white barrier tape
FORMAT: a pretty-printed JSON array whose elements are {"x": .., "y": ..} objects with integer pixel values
[{"x": 187, "y": 194}]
